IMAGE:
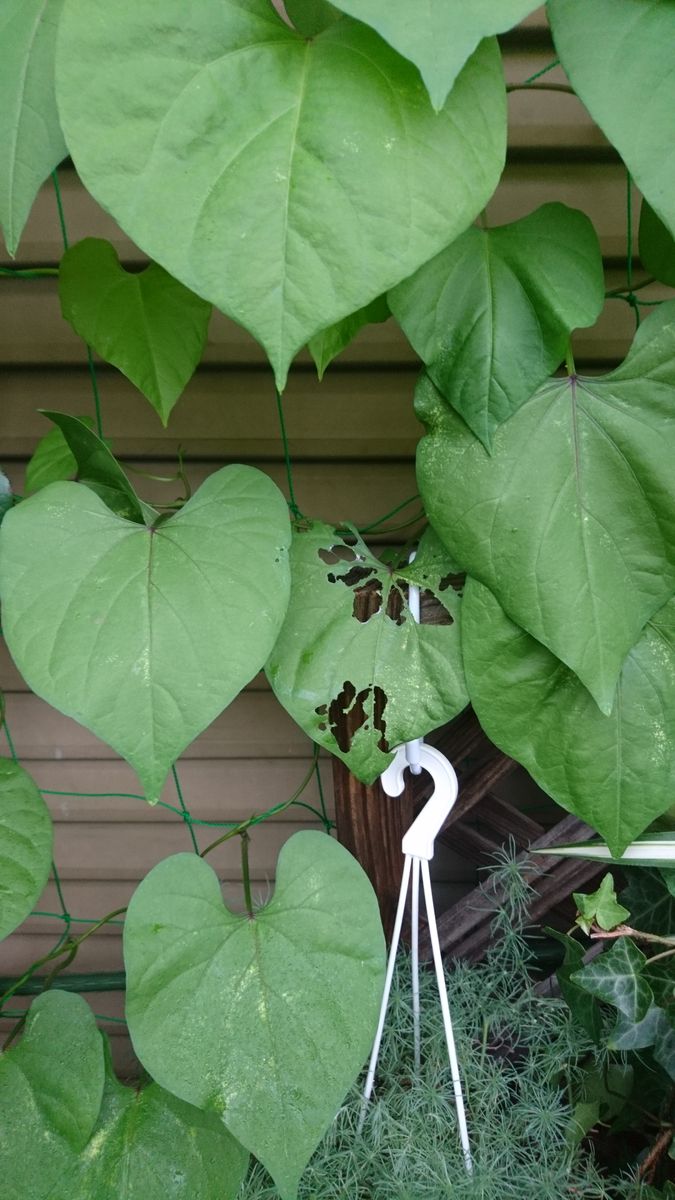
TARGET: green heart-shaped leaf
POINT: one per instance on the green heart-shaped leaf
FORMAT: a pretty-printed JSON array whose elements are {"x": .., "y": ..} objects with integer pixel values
[
  {"x": 611, "y": 50},
  {"x": 145, "y": 634},
  {"x": 398, "y": 679},
  {"x": 615, "y": 976},
  {"x": 290, "y": 182},
  {"x": 617, "y": 772},
  {"x": 68, "y": 1134},
  {"x": 491, "y": 315},
  {"x": 265, "y": 1020},
  {"x": 51, "y": 1086},
  {"x": 146, "y": 323},
  {"x": 31, "y": 142},
  {"x": 326, "y": 346},
  {"x": 570, "y": 521},
  {"x": 148, "y": 1144},
  {"x": 437, "y": 35},
  {"x": 52, "y": 459},
  {"x": 25, "y": 845},
  {"x": 657, "y": 246},
  {"x": 97, "y": 466}
]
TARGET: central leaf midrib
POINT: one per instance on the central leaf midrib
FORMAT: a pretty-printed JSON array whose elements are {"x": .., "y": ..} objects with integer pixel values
[{"x": 289, "y": 176}]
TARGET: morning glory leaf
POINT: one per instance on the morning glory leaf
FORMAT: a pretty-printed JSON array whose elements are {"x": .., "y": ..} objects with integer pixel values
[
  {"x": 97, "y": 467},
  {"x": 149, "y": 1144},
  {"x": 657, "y": 246},
  {"x": 397, "y": 679},
  {"x": 610, "y": 49},
  {"x": 600, "y": 908},
  {"x": 288, "y": 181},
  {"x": 52, "y": 459},
  {"x": 437, "y": 35},
  {"x": 311, "y": 16},
  {"x": 25, "y": 845},
  {"x": 615, "y": 976},
  {"x": 490, "y": 316},
  {"x": 326, "y": 346},
  {"x": 617, "y": 772},
  {"x": 145, "y": 635},
  {"x": 573, "y": 512},
  {"x": 31, "y": 142},
  {"x": 145, "y": 323},
  {"x": 51, "y": 1086},
  {"x": 265, "y": 1020}
]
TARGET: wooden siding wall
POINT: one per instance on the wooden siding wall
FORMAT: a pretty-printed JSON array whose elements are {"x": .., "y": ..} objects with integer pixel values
[{"x": 352, "y": 439}]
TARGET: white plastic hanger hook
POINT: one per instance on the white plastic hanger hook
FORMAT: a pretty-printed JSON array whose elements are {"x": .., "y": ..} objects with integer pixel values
[{"x": 420, "y": 838}]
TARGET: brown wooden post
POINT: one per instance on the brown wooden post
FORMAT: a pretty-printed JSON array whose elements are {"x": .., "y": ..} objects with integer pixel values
[{"x": 371, "y": 826}]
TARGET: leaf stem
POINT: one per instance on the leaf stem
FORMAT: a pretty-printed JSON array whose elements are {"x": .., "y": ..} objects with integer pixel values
[
  {"x": 238, "y": 830},
  {"x": 569, "y": 362},
  {"x": 628, "y": 931},
  {"x": 541, "y": 87},
  {"x": 245, "y": 872}
]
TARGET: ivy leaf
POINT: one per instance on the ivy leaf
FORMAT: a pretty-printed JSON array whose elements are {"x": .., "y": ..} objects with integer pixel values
[
  {"x": 600, "y": 908},
  {"x": 97, "y": 467},
  {"x": 332, "y": 341},
  {"x": 615, "y": 976},
  {"x": 617, "y": 772},
  {"x": 637, "y": 1035},
  {"x": 657, "y": 247},
  {"x": 149, "y": 1144},
  {"x": 31, "y": 142},
  {"x": 145, "y": 323},
  {"x": 491, "y": 315},
  {"x": 573, "y": 511},
  {"x": 289, "y": 182},
  {"x": 349, "y": 644},
  {"x": 439, "y": 35},
  {"x": 52, "y": 460},
  {"x": 145, "y": 634},
  {"x": 311, "y": 16},
  {"x": 25, "y": 845},
  {"x": 651, "y": 902},
  {"x": 266, "y": 1020},
  {"x": 636, "y": 38},
  {"x": 51, "y": 1086},
  {"x": 582, "y": 1005}
]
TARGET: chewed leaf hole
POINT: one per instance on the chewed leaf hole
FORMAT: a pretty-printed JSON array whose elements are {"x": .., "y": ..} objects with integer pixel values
[
  {"x": 355, "y": 575},
  {"x": 433, "y": 611},
  {"x": 331, "y": 555},
  {"x": 351, "y": 711}
]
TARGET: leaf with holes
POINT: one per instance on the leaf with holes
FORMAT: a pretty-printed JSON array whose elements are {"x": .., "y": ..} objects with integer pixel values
[
  {"x": 97, "y": 467},
  {"x": 31, "y": 142},
  {"x": 571, "y": 520},
  {"x": 351, "y": 666},
  {"x": 145, "y": 634},
  {"x": 326, "y": 346},
  {"x": 615, "y": 976},
  {"x": 657, "y": 246},
  {"x": 51, "y": 1086},
  {"x": 288, "y": 181},
  {"x": 437, "y": 35},
  {"x": 266, "y": 1020},
  {"x": 491, "y": 315},
  {"x": 52, "y": 460},
  {"x": 25, "y": 845},
  {"x": 618, "y": 55},
  {"x": 617, "y": 772},
  {"x": 145, "y": 323}
]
